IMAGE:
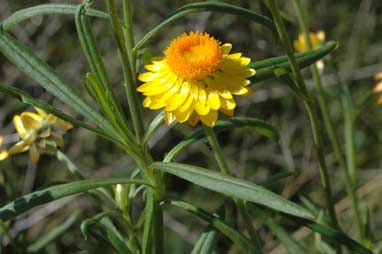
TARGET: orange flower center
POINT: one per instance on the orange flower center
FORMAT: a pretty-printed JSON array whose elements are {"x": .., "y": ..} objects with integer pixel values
[{"x": 193, "y": 56}]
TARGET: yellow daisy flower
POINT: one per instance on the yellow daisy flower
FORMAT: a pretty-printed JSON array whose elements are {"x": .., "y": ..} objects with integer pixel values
[
  {"x": 317, "y": 39},
  {"x": 378, "y": 87},
  {"x": 39, "y": 133},
  {"x": 196, "y": 78}
]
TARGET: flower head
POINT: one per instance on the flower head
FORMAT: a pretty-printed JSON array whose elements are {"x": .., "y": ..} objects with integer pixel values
[
  {"x": 317, "y": 39},
  {"x": 39, "y": 133},
  {"x": 378, "y": 87},
  {"x": 196, "y": 78}
]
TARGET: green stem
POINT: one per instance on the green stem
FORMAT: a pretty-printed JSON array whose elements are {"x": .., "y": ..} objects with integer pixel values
[
  {"x": 158, "y": 229},
  {"x": 350, "y": 158},
  {"x": 223, "y": 166},
  {"x": 129, "y": 33},
  {"x": 128, "y": 74},
  {"x": 310, "y": 107},
  {"x": 329, "y": 122}
]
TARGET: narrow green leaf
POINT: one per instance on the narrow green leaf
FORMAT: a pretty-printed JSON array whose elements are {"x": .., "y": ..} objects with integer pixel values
[
  {"x": 43, "y": 74},
  {"x": 46, "y": 9},
  {"x": 101, "y": 88},
  {"x": 225, "y": 229},
  {"x": 91, "y": 221},
  {"x": 149, "y": 218},
  {"x": 265, "y": 68},
  {"x": 233, "y": 187},
  {"x": 27, "y": 99},
  {"x": 117, "y": 242},
  {"x": 203, "y": 7},
  {"x": 53, "y": 234},
  {"x": 47, "y": 195},
  {"x": 205, "y": 243},
  {"x": 333, "y": 235},
  {"x": 258, "y": 125},
  {"x": 287, "y": 240},
  {"x": 154, "y": 125}
]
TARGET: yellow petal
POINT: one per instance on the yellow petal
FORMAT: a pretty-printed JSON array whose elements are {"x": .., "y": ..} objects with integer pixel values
[
  {"x": 147, "y": 76},
  {"x": 245, "y": 61},
  {"x": 64, "y": 124},
  {"x": 227, "y": 104},
  {"x": 225, "y": 94},
  {"x": 321, "y": 36},
  {"x": 19, "y": 147},
  {"x": 30, "y": 120},
  {"x": 210, "y": 119},
  {"x": 169, "y": 117},
  {"x": 1, "y": 140},
  {"x": 160, "y": 101},
  {"x": 158, "y": 86},
  {"x": 377, "y": 88},
  {"x": 34, "y": 154},
  {"x": 41, "y": 112},
  {"x": 226, "y": 48},
  {"x": 182, "y": 116},
  {"x": 201, "y": 109},
  {"x": 241, "y": 90},
  {"x": 147, "y": 102},
  {"x": 3, "y": 154},
  {"x": 193, "y": 120},
  {"x": 187, "y": 104},
  {"x": 18, "y": 123},
  {"x": 213, "y": 100},
  {"x": 227, "y": 112},
  {"x": 202, "y": 96},
  {"x": 234, "y": 56},
  {"x": 179, "y": 98}
]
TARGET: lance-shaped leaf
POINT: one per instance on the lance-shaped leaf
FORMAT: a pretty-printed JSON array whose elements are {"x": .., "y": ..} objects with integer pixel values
[
  {"x": 265, "y": 68},
  {"x": 333, "y": 235},
  {"x": 46, "y": 9},
  {"x": 44, "y": 75},
  {"x": 258, "y": 125},
  {"x": 47, "y": 195},
  {"x": 287, "y": 240},
  {"x": 216, "y": 222},
  {"x": 203, "y": 7},
  {"x": 233, "y": 187},
  {"x": 205, "y": 243}
]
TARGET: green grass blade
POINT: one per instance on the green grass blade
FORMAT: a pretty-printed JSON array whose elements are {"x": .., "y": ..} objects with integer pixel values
[
  {"x": 265, "y": 68},
  {"x": 53, "y": 234},
  {"x": 154, "y": 125},
  {"x": 47, "y": 195},
  {"x": 233, "y": 187},
  {"x": 225, "y": 229},
  {"x": 205, "y": 243},
  {"x": 148, "y": 226},
  {"x": 258, "y": 125},
  {"x": 203, "y": 7},
  {"x": 286, "y": 239},
  {"x": 46, "y": 9}
]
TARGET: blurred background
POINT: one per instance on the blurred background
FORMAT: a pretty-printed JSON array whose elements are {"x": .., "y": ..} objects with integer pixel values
[{"x": 356, "y": 25}]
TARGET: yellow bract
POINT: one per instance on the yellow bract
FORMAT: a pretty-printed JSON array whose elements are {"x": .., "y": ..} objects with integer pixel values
[
  {"x": 195, "y": 80},
  {"x": 378, "y": 87},
  {"x": 39, "y": 133},
  {"x": 317, "y": 39}
]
